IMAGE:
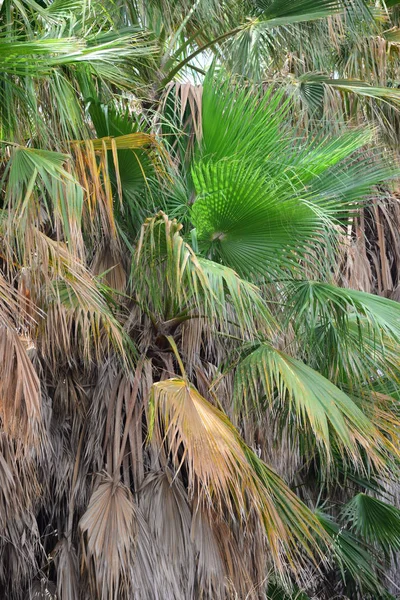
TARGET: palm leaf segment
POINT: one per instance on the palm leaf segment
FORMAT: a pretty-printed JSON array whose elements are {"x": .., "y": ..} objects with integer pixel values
[
  {"x": 375, "y": 521},
  {"x": 352, "y": 557}
]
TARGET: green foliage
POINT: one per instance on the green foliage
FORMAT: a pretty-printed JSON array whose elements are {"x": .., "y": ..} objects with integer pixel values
[
  {"x": 375, "y": 521},
  {"x": 311, "y": 401}
]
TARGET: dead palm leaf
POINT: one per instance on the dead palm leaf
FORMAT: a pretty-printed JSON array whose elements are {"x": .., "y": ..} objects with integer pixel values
[{"x": 109, "y": 528}]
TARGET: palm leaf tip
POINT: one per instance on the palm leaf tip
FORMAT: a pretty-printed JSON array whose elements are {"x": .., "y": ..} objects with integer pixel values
[{"x": 278, "y": 13}]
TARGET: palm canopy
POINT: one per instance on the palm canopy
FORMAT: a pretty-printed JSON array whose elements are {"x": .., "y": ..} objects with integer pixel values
[{"x": 180, "y": 369}]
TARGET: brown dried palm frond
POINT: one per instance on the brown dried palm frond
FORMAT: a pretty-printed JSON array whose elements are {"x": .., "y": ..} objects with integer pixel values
[
  {"x": 109, "y": 528},
  {"x": 19, "y": 382},
  {"x": 43, "y": 589},
  {"x": 73, "y": 302},
  {"x": 211, "y": 570},
  {"x": 68, "y": 570},
  {"x": 164, "y": 502},
  {"x": 182, "y": 102}
]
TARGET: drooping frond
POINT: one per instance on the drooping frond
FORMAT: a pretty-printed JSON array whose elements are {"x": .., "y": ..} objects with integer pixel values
[
  {"x": 41, "y": 189},
  {"x": 317, "y": 303},
  {"x": 165, "y": 506},
  {"x": 77, "y": 307},
  {"x": 20, "y": 401},
  {"x": 68, "y": 568},
  {"x": 192, "y": 285},
  {"x": 310, "y": 399},
  {"x": 108, "y": 526},
  {"x": 104, "y": 166},
  {"x": 225, "y": 472}
]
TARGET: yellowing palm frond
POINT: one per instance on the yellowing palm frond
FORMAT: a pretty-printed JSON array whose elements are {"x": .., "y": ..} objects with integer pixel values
[{"x": 225, "y": 472}]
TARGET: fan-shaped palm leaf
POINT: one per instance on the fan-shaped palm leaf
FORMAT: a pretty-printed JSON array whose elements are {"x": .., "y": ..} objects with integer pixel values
[
  {"x": 375, "y": 521},
  {"x": 264, "y": 215},
  {"x": 110, "y": 530},
  {"x": 248, "y": 224},
  {"x": 353, "y": 558}
]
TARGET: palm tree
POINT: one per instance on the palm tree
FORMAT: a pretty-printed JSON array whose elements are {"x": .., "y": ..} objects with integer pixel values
[{"x": 191, "y": 406}]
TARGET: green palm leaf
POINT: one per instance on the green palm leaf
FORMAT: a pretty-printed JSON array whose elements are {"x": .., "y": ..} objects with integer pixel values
[
  {"x": 312, "y": 88},
  {"x": 375, "y": 521},
  {"x": 247, "y": 222},
  {"x": 284, "y": 12},
  {"x": 312, "y": 400},
  {"x": 313, "y": 303},
  {"x": 355, "y": 560},
  {"x": 132, "y": 169},
  {"x": 242, "y": 123},
  {"x": 265, "y": 214}
]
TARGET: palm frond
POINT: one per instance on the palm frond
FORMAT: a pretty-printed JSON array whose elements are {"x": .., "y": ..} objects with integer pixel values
[
  {"x": 265, "y": 215},
  {"x": 283, "y": 13},
  {"x": 103, "y": 54},
  {"x": 165, "y": 507},
  {"x": 20, "y": 390},
  {"x": 78, "y": 307},
  {"x": 67, "y": 566},
  {"x": 322, "y": 303},
  {"x": 312, "y": 85},
  {"x": 377, "y": 522},
  {"x": 108, "y": 526},
  {"x": 223, "y": 470},
  {"x": 192, "y": 285},
  {"x": 354, "y": 560},
  {"x": 311, "y": 399},
  {"x": 244, "y": 222}
]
